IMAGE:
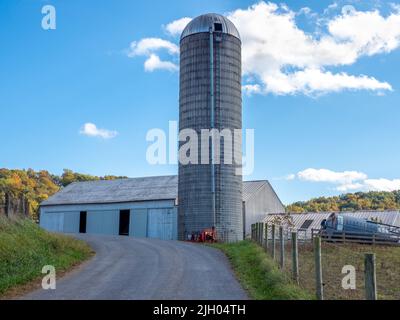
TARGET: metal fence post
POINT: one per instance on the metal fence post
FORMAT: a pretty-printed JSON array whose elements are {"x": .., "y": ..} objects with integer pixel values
[
  {"x": 370, "y": 277},
  {"x": 266, "y": 236},
  {"x": 273, "y": 241},
  {"x": 318, "y": 268},
  {"x": 282, "y": 247},
  {"x": 256, "y": 232},
  {"x": 295, "y": 258}
]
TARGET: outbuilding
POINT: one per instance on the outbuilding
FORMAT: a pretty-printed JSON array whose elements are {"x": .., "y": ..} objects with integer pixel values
[
  {"x": 138, "y": 207},
  {"x": 305, "y": 223}
]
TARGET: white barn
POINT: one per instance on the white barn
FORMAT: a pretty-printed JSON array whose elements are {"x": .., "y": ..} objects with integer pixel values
[{"x": 139, "y": 207}]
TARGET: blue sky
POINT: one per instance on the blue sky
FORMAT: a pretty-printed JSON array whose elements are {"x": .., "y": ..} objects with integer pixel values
[{"x": 345, "y": 133}]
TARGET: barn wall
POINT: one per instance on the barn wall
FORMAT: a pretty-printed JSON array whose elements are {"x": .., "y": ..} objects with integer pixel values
[
  {"x": 53, "y": 221},
  {"x": 71, "y": 222},
  {"x": 155, "y": 219},
  {"x": 264, "y": 202}
]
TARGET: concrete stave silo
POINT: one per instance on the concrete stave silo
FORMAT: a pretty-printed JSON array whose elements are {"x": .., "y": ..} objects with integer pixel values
[{"x": 211, "y": 98}]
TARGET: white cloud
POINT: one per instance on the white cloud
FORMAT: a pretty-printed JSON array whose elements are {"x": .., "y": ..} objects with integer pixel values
[
  {"x": 149, "y": 45},
  {"x": 154, "y": 63},
  {"x": 367, "y": 33},
  {"x": 346, "y": 181},
  {"x": 382, "y": 184},
  {"x": 287, "y": 60},
  {"x": 315, "y": 81},
  {"x": 281, "y": 58},
  {"x": 176, "y": 27},
  {"x": 290, "y": 177},
  {"x": 350, "y": 187},
  {"x": 307, "y": 12},
  {"x": 250, "y": 89},
  {"x": 395, "y": 6},
  {"x": 325, "y": 175},
  {"x": 91, "y": 130}
]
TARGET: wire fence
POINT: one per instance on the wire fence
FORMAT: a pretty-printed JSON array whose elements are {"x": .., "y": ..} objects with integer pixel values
[{"x": 347, "y": 271}]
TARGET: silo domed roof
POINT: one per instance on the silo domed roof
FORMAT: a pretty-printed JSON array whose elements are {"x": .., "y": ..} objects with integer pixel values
[{"x": 204, "y": 22}]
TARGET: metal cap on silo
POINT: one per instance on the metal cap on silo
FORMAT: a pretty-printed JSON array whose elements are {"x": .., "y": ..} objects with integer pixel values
[{"x": 215, "y": 21}]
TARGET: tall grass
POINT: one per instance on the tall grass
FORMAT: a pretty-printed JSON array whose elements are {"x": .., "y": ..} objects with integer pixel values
[
  {"x": 259, "y": 274},
  {"x": 25, "y": 248}
]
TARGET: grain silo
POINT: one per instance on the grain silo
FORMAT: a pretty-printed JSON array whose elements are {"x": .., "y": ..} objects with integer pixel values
[{"x": 210, "y": 195}]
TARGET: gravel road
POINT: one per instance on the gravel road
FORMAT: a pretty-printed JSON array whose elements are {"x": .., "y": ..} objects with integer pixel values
[{"x": 126, "y": 268}]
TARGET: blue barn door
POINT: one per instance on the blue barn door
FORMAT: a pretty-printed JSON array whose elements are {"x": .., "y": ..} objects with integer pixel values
[
  {"x": 162, "y": 224},
  {"x": 138, "y": 226}
]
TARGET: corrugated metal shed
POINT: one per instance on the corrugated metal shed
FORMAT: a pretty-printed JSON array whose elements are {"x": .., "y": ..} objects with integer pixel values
[
  {"x": 296, "y": 221},
  {"x": 130, "y": 190}
]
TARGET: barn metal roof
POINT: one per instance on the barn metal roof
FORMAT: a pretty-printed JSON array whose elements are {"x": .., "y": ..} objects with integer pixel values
[
  {"x": 250, "y": 188},
  {"x": 129, "y": 190},
  {"x": 204, "y": 22},
  {"x": 116, "y": 191},
  {"x": 297, "y": 220}
]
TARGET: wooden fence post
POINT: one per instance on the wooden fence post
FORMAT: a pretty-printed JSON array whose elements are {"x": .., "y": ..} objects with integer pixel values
[
  {"x": 370, "y": 277},
  {"x": 273, "y": 241},
  {"x": 7, "y": 205},
  {"x": 261, "y": 233},
  {"x": 318, "y": 268},
  {"x": 266, "y": 236},
  {"x": 282, "y": 247},
  {"x": 295, "y": 258}
]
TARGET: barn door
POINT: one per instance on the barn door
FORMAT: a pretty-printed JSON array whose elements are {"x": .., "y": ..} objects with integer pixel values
[
  {"x": 161, "y": 224},
  {"x": 82, "y": 222},
  {"x": 124, "y": 221}
]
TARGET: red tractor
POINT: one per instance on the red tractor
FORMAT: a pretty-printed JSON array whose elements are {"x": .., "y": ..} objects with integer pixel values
[{"x": 207, "y": 235}]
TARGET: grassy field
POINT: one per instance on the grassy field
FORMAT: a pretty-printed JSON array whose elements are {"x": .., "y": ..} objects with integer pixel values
[
  {"x": 335, "y": 257},
  {"x": 25, "y": 249},
  {"x": 259, "y": 275}
]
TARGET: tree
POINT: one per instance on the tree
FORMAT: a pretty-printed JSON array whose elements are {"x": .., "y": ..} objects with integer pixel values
[
  {"x": 349, "y": 202},
  {"x": 39, "y": 186}
]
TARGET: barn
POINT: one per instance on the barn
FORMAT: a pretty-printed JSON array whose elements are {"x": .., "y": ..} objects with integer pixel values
[{"x": 138, "y": 207}]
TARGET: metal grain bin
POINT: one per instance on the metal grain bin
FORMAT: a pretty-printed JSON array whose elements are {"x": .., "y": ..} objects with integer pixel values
[{"x": 210, "y": 97}]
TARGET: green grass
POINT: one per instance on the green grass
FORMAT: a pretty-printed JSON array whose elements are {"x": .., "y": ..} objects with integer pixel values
[
  {"x": 25, "y": 249},
  {"x": 259, "y": 274}
]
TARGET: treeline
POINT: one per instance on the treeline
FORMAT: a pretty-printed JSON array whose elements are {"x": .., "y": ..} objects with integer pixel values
[
  {"x": 349, "y": 202},
  {"x": 37, "y": 186}
]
